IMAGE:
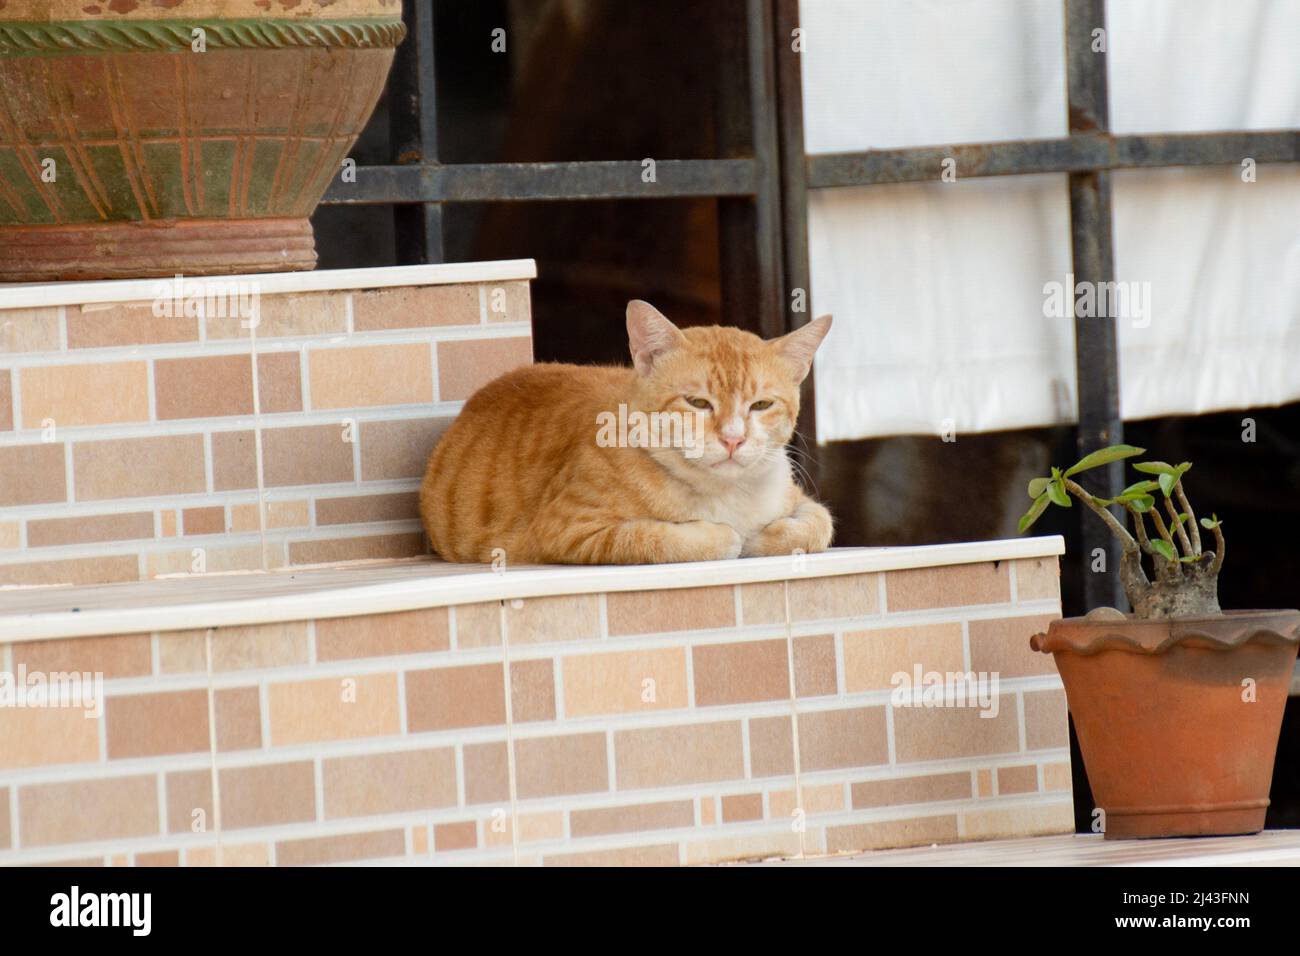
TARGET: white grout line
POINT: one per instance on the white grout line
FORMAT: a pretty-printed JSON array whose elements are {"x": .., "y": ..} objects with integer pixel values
[
  {"x": 511, "y": 768},
  {"x": 794, "y": 714},
  {"x": 212, "y": 748}
]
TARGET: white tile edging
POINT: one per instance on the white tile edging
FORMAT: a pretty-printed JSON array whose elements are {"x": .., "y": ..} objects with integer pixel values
[
  {"x": 476, "y": 587},
  {"x": 47, "y": 294}
]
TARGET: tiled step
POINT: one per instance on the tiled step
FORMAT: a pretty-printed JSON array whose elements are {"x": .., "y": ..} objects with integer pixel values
[{"x": 417, "y": 712}]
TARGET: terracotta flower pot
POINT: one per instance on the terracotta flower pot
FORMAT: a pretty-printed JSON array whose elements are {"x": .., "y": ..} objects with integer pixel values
[
  {"x": 1177, "y": 719},
  {"x": 126, "y": 153}
]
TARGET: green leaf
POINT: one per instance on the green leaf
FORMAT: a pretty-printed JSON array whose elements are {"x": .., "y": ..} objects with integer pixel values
[
  {"x": 1179, "y": 519},
  {"x": 1190, "y": 559},
  {"x": 1056, "y": 491},
  {"x": 1167, "y": 481},
  {"x": 1139, "y": 503},
  {"x": 1037, "y": 508},
  {"x": 1153, "y": 467},
  {"x": 1037, "y": 486},
  {"x": 1210, "y": 524},
  {"x": 1104, "y": 456},
  {"x": 1141, "y": 488},
  {"x": 1164, "y": 549}
]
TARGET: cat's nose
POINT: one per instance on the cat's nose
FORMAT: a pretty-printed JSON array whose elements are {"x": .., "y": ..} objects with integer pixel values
[{"x": 732, "y": 444}]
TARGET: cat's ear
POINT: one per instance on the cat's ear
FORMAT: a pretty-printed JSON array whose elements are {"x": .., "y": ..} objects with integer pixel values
[
  {"x": 799, "y": 347},
  {"x": 649, "y": 334}
]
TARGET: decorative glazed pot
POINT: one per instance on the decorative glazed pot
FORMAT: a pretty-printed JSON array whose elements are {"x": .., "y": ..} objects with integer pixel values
[
  {"x": 1178, "y": 719},
  {"x": 154, "y": 137}
]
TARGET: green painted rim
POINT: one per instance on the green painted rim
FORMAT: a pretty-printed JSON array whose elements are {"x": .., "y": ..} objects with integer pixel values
[{"x": 148, "y": 36}]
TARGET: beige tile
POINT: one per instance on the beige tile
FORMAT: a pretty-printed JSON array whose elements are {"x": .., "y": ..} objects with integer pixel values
[
  {"x": 358, "y": 509},
  {"x": 279, "y": 382},
  {"x": 741, "y": 807},
  {"x": 234, "y": 461},
  {"x": 365, "y": 376},
  {"x": 1001, "y": 646},
  {"x": 204, "y": 520},
  {"x": 81, "y": 811},
  {"x": 394, "y": 450},
  {"x": 6, "y": 401},
  {"x": 478, "y": 625},
  {"x": 293, "y": 314},
  {"x": 167, "y": 522},
  {"x": 159, "y": 858},
  {"x": 467, "y": 365},
  {"x": 422, "y": 631},
  {"x": 455, "y": 836},
  {"x": 200, "y": 557},
  {"x": 205, "y": 387},
  {"x": 98, "y": 394},
  {"x": 957, "y": 585},
  {"x": 449, "y": 697},
  {"x": 111, "y": 469},
  {"x": 238, "y": 713},
  {"x": 508, "y": 302},
  {"x": 984, "y": 783},
  {"x": 189, "y": 801},
  {"x": 1001, "y": 824},
  {"x": 1017, "y": 780},
  {"x": 834, "y": 739},
  {"x": 420, "y": 840},
  {"x": 872, "y": 658},
  {"x": 50, "y": 532},
  {"x": 486, "y": 771},
  {"x": 363, "y": 548},
  {"x": 412, "y": 307},
  {"x": 279, "y": 515},
  {"x": 317, "y": 851},
  {"x": 533, "y": 828},
  {"x": 564, "y": 617},
  {"x": 10, "y": 535},
  {"x": 306, "y": 455},
  {"x": 123, "y": 655},
  {"x": 532, "y": 690},
  {"x": 1056, "y": 776},
  {"x": 566, "y": 764},
  {"x": 185, "y": 652},
  {"x": 940, "y": 733},
  {"x": 1046, "y": 719},
  {"x": 32, "y": 474},
  {"x": 811, "y": 798},
  {"x": 708, "y": 811},
  {"x": 37, "y": 736},
  {"x": 895, "y": 791},
  {"x": 239, "y": 854},
  {"x": 814, "y": 666},
  {"x": 755, "y": 846},
  {"x": 259, "y": 645},
  {"x": 671, "y": 756},
  {"x": 29, "y": 330},
  {"x": 659, "y": 855},
  {"x": 625, "y": 682},
  {"x": 889, "y": 834},
  {"x": 101, "y": 570},
  {"x": 401, "y": 782},
  {"x": 680, "y": 609},
  {"x": 116, "y": 324},
  {"x": 848, "y": 595},
  {"x": 740, "y": 672},
  {"x": 267, "y": 794},
  {"x": 771, "y": 746},
  {"x": 150, "y": 725},
  {"x": 333, "y": 709},
  {"x": 631, "y": 818},
  {"x": 1038, "y": 579}
]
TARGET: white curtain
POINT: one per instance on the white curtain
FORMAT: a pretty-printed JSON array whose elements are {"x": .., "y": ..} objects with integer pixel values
[{"x": 938, "y": 288}]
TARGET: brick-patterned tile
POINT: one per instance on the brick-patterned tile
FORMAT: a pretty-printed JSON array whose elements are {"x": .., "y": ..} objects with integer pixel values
[
  {"x": 81, "y": 811},
  {"x": 681, "y": 609},
  {"x": 478, "y": 625},
  {"x": 940, "y": 733},
  {"x": 208, "y": 386},
  {"x": 279, "y": 382},
  {"x": 533, "y": 828},
  {"x": 1001, "y": 824},
  {"x": 126, "y": 323},
  {"x": 508, "y": 302},
  {"x": 371, "y": 784},
  {"x": 616, "y": 682},
  {"x": 1017, "y": 780},
  {"x": 771, "y": 746},
  {"x": 122, "y": 655},
  {"x": 32, "y": 475},
  {"x": 562, "y": 617},
  {"x": 449, "y": 697},
  {"x": 305, "y": 455},
  {"x": 234, "y": 461},
  {"x": 423, "y": 631},
  {"x": 159, "y": 858},
  {"x": 1046, "y": 723},
  {"x": 903, "y": 790},
  {"x": 1056, "y": 776},
  {"x": 368, "y": 375},
  {"x": 363, "y": 548},
  {"x": 358, "y": 509},
  {"x": 415, "y": 307},
  {"x": 1001, "y": 646},
  {"x": 915, "y": 831},
  {"x": 254, "y": 646},
  {"x": 1038, "y": 579},
  {"x": 6, "y": 401},
  {"x": 10, "y": 535},
  {"x": 100, "y": 570},
  {"x": 742, "y": 672},
  {"x": 664, "y": 854},
  {"x": 810, "y": 798},
  {"x": 267, "y": 795},
  {"x": 333, "y": 709},
  {"x": 740, "y": 807},
  {"x": 29, "y": 330},
  {"x": 834, "y": 739},
  {"x": 958, "y": 585},
  {"x": 99, "y": 394},
  {"x": 830, "y": 598},
  {"x": 111, "y": 469},
  {"x": 467, "y": 365},
  {"x": 532, "y": 690},
  {"x": 149, "y": 725},
  {"x": 671, "y": 756},
  {"x": 398, "y": 449},
  {"x": 189, "y": 802},
  {"x": 211, "y": 520},
  {"x": 569, "y": 763},
  {"x": 50, "y": 532},
  {"x": 814, "y": 666},
  {"x": 279, "y": 514},
  {"x": 872, "y": 658},
  {"x": 292, "y": 314},
  {"x": 313, "y": 851},
  {"x": 630, "y": 818},
  {"x": 455, "y": 836},
  {"x": 239, "y": 718},
  {"x": 487, "y": 775},
  {"x": 35, "y": 736}
]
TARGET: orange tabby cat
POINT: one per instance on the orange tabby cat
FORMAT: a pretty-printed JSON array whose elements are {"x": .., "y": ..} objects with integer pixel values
[{"x": 539, "y": 466}]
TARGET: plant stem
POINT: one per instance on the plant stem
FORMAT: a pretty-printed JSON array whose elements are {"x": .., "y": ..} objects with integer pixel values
[
  {"x": 1191, "y": 516},
  {"x": 1218, "y": 551},
  {"x": 1117, "y": 529},
  {"x": 1178, "y": 527},
  {"x": 1160, "y": 526},
  {"x": 1143, "y": 540}
]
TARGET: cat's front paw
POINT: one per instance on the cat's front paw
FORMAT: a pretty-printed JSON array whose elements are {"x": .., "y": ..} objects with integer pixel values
[
  {"x": 805, "y": 533},
  {"x": 714, "y": 541}
]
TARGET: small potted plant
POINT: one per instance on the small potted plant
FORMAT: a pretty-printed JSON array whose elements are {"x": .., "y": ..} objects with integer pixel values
[{"x": 1179, "y": 704}]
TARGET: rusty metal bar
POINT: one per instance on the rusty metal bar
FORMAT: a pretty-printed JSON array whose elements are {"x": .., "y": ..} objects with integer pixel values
[
  {"x": 413, "y": 125},
  {"x": 1092, "y": 254}
]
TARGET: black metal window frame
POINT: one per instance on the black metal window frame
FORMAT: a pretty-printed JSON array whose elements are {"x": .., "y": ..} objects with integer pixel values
[{"x": 763, "y": 179}]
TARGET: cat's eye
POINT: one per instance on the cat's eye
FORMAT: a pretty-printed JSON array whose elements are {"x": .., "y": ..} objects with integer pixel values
[
  {"x": 761, "y": 405},
  {"x": 701, "y": 403}
]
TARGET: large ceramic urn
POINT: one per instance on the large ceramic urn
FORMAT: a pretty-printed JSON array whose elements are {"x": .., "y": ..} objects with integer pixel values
[{"x": 156, "y": 137}]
